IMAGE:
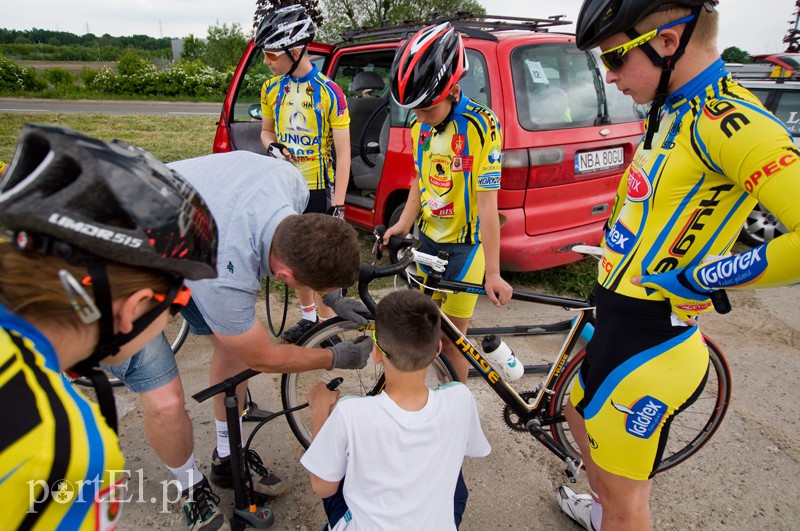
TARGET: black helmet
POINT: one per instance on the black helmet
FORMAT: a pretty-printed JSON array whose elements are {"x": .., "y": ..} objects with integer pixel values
[
  {"x": 284, "y": 28},
  {"x": 108, "y": 199},
  {"x": 427, "y": 66},
  {"x": 600, "y": 19}
]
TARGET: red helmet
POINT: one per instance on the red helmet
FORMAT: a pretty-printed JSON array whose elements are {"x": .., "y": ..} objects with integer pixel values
[{"x": 427, "y": 66}]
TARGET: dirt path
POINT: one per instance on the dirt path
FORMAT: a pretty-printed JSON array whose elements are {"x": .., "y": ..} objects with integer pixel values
[{"x": 746, "y": 478}]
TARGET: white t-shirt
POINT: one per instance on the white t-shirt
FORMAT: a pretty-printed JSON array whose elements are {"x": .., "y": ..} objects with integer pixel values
[{"x": 400, "y": 466}]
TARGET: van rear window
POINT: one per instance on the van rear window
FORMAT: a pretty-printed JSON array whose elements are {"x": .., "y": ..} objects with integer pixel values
[{"x": 556, "y": 87}]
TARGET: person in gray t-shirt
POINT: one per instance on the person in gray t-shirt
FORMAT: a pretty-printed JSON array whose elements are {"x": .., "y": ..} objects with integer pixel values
[{"x": 256, "y": 202}]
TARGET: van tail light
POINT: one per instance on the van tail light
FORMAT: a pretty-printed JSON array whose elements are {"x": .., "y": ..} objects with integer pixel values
[
  {"x": 535, "y": 168},
  {"x": 515, "y": 166}
]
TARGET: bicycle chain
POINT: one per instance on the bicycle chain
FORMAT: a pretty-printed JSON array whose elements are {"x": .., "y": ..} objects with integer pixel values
[{"x": 511, "y": 419}]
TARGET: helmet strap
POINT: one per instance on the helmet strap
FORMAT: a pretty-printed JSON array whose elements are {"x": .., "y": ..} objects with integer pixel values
[
  {"x": 295, "y": 62},
  {"x": 109, "y": 343},
  {"x": 667, "y": 65}
]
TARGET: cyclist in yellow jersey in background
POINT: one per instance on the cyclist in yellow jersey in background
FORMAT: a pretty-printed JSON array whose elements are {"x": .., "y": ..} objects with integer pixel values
[
  {"x": 709, "y": 153},
  {"x": 103, "y": 237},
  {"x": 304, "y": 115}
]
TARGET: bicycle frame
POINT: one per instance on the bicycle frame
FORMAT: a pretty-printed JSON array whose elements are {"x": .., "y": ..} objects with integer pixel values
[{"x": 532, "y": 416}]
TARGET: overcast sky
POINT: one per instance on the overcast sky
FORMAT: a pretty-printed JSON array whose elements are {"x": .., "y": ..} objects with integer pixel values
[{"x": 756, "y": 27}]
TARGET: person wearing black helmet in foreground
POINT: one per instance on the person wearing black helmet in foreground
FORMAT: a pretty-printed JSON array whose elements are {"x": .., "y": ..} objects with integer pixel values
[
  {"x": 102, "y": 237},
  {"x": 709, "y": 153},
  {"x": 304, "y": 116}
]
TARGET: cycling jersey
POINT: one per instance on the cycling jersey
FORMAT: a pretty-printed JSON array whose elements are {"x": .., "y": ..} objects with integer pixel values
[
  {"x": 455, "y": 160},
  {"x": 60, "y": 463},
  {"x": 305, "y": 111},
  {"x": 717, "y": 151}
]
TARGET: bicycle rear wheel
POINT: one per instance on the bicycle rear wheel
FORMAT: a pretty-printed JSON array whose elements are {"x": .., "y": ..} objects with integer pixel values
[
  {"x": 363, "y": 382},
  {"x": 690, "y": 429}
]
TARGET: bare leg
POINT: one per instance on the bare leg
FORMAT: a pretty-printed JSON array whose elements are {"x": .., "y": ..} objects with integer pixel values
[
  {"x": 166, "y": 423},
  {"x": 225, "y": 364},
  {"x": 626, "y": 502},
  {"x": 324, "y": 311},
  {"x": 454, "y": 355}
]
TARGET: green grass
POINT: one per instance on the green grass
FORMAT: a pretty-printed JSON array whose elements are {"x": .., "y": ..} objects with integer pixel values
[
  {"x": 169, "y": 138},
  {"x": 173, "y": 138},
  {"x": 80, "y": 93}
]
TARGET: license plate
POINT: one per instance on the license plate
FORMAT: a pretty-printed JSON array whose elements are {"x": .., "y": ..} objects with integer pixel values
[{"x": 603, "y": 159}]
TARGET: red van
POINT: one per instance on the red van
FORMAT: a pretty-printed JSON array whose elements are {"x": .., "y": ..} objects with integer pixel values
[{"x": 567, "y": 136}]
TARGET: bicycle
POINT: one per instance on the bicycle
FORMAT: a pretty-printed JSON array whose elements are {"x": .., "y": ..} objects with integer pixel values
[{"x": 539, "y": 412}]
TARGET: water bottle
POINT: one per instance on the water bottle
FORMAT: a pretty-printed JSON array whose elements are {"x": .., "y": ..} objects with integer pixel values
[{"x": 502, "y": 358}]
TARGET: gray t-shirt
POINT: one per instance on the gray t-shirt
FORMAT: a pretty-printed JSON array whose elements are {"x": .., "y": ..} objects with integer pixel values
[{"x": 248, "y": 195}]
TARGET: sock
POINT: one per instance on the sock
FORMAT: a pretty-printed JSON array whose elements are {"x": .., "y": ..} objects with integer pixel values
[
  {"x": 597, "y": 510},
  {"x": 187, "y": 475},
  {"x": 223, "y": 443},
  {"x": 309, "y": 312}
]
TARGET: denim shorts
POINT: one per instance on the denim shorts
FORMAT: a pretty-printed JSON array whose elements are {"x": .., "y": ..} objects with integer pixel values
[
  {"x": 154, "y": 366},
  {"x": 197, "y": 323}
]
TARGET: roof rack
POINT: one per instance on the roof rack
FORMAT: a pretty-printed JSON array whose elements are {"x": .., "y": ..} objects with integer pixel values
[
  {"x": 763, "y": 71},
  {"x": 474, "y": 25}
]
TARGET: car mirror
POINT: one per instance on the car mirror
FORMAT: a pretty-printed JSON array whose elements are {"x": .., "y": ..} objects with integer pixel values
[{"x": 254, "y": 111}]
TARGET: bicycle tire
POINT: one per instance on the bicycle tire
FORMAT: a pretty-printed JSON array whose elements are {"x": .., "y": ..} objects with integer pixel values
[
  {"x": 177, "y": 342},
  {"x": 362, "y": 382},
  {"x": 690, "y": 430}
]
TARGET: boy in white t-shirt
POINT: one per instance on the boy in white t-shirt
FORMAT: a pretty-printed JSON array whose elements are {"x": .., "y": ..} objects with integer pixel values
[{"x": 401, "y": 450}]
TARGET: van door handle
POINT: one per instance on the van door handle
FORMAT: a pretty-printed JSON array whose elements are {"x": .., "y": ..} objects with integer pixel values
[{"x": 600, "y": 209}]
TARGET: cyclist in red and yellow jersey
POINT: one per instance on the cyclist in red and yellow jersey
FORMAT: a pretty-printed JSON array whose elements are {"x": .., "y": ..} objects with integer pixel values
[
  {"x": 456, "y": 144},
  {"x": 710, "y": 152},
  {"x": 103, "y": 236}
]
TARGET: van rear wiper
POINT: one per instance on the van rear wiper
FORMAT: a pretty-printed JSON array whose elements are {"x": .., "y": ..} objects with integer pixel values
[{"x": 600, "y": 87}]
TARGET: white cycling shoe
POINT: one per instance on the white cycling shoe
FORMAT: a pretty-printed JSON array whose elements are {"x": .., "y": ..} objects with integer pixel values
[{"x": 577, "y": 506}]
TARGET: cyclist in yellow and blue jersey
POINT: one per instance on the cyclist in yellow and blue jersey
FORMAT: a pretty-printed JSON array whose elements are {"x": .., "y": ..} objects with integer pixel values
[
  {"x": 304, "y": 115},
  {"x": 86, "y": 277},
  {"x": 456, "y": 146},
  {"x": 305, "y": 111},
  {"x": 709, "y": 153}
]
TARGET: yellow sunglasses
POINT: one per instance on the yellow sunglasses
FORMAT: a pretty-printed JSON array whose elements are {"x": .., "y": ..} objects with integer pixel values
[{"x": 614, "y": 58}]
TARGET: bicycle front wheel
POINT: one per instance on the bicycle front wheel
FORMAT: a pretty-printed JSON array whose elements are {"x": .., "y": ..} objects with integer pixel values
[
  {"x": 362, "y": 382},
  {"x": 690, "y": 429}
]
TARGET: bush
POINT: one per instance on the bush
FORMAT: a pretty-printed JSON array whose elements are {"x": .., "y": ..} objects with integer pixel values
[
  {"x": 87, "y": 76},
  {"x": 16, "y": 78},
  {"x": 131, "y": 64},
  {"x": 59, "y": 77}
]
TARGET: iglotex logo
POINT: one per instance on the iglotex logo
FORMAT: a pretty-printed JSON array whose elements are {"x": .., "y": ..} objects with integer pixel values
[{"x": 643, "y": 417}]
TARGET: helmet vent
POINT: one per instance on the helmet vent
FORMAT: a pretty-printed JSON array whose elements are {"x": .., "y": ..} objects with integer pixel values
[{"x": 62, "y": 171}]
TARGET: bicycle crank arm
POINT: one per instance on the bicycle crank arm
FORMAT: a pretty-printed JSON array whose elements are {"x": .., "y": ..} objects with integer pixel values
[{"x": 573, "y": 465}]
